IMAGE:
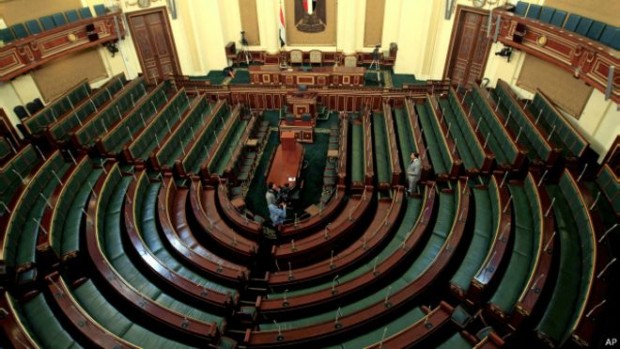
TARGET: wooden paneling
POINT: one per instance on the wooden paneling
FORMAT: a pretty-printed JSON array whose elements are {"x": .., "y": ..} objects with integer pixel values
[
  {"x": 153, "y": 39},
  {"x": 373, "y": 26},
  {"x": 55, "y": 78},
  {"x": 585, "y": 59},
  {"x": 21, "y": 56},
  {"x": 538, "y": 74},
  {"x": 469, "y": 46},
  {"x": 249, "y": 21}
]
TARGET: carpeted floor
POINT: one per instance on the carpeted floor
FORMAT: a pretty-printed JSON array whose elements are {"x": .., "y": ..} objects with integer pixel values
[
  {"x": 216, "y": 77},
  {"x": 255, "y": 198},
  {"x": 399, "y": 79},
  {"x": 242, "y": 76},
  {"x": 312, "y": 173}
]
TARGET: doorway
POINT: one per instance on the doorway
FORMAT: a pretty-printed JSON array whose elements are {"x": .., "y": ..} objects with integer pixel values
[
  {"x": 152, "y": 37},
  {"x": 469, "y": 47}
]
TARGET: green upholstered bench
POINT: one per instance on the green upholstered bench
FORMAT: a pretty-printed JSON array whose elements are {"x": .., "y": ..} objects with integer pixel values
[
  {"x": 443, "y": 225},
  {"x": 59, "y": 131},
  {"x": 115, "y": 320},
  {"x": 156, "y": 132},
  {"x": 12, "y": 173},
  {"x": 520, "y": 264},
  {"x": 384, "y": 167},
  {"x": 357, "y": 153},
  {"x": 23, "y": 228},
  {"x": 405, "y": 135},
  {"x": 196, "y": 155},
  {"x": 43, "y": 325},
  {"x": 70, "y": 207},
  {"x": 458, "y": 136},
  {"x": 433, "y": 143},
  {"x": 140, "y": 115},
  {"x": 147, "y": 200},
  {"x": 577, "y": 258},
  {"x": 36, "y": 124},
  {"x": 110, "y": 237},
  {"x": 485, "y": 227},
  {"x": 103, "y": 120}
]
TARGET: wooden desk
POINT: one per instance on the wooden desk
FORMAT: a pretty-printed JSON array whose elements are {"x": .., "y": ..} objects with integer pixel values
[
  {"x": 312, "y": 210},
  {"x": 238, "y": 203},
  {"x": 315, "y": 76},
  {"x": 252, "y": 143},
  {"x": 286, "y": 166},
  {"x": 332, "y": 153}
]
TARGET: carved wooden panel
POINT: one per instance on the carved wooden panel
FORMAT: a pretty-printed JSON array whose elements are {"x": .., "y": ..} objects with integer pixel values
[
  {"x": 469, "y": 46},
  {"x": 584, "y": 58},
  {"x": 153, "y": 39},
  {"x": 20, "y": 56}
]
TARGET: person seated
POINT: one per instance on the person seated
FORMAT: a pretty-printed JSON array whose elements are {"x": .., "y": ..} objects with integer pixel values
[
  {"x": 285, "y": 194},
  {"x": 277, "y": 214}
]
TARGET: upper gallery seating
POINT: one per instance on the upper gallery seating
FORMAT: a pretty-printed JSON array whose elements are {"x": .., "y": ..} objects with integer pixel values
[
  {"x": 606, "y": 34},
  {"x": 37, "y": 26}
]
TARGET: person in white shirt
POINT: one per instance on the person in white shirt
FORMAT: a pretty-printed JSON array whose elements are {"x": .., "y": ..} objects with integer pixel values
[{"x": 414, "y": 171}]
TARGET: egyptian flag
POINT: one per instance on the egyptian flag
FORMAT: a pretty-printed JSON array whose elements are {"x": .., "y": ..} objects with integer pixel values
[
  {"x": 309, "y": 6},
  {"x": 281, "y": 27}
]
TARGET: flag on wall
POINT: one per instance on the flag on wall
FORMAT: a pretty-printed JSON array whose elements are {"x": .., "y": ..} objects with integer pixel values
[
  {"x": 309, "y": 6},
  {"x": 282, "y": 28}
]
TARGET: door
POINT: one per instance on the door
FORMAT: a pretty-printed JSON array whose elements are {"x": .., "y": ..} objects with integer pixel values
[
  {"x": 469, "y": 47},
  {"x": 152, "y": 37}
]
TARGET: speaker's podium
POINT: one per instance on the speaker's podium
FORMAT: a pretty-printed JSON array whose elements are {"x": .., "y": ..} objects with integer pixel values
[{"x": 301, "y": 116}]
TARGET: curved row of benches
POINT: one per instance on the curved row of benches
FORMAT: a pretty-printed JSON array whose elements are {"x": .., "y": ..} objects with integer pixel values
[
  {"x": 432, "y": 260},
  {"x": 508, "y": 153}
]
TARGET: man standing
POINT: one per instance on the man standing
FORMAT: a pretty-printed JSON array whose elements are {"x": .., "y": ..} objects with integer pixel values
[{"x": 414, "y": 170}]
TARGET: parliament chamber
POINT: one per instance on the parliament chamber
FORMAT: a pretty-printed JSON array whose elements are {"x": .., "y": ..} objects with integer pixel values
[{"x": 138, "y": 141}]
